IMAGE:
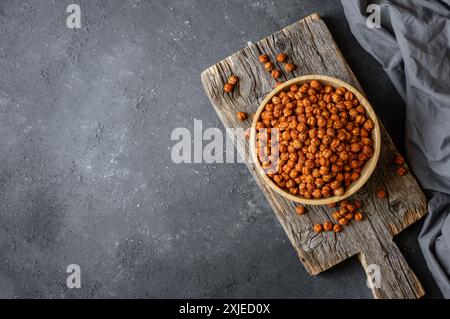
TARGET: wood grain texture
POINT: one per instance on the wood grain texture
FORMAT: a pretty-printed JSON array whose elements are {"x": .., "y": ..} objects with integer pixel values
[{"x": 309, "y": 44}]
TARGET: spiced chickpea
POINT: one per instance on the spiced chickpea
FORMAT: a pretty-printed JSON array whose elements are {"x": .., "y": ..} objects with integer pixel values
[
  {"x": 399, "y": 160},
  {"x": 337, "y": 228},
  {"x": 289, "y": 67},
  {"x": 400, "y": 171},
  {"x": 381, "y": 193},
  {"x": 300, "y": 210},
  {"x": 233, "y": 80},
  {"x": 317, "y": 193},
  {"x": 275, "y": 74},
  {"x": 349, "y": 216},
  {"x": 339, "y": 192},
  {"x": 326, "y": 191},
  {"x": 264, "y": 58},
  {"x": 228, "y": 87},
  {"x": 318, "y": 228},
  {"x": 281, "y": 57},
  {"x": 358, "y": 216},
  {"x": 242, "y": 116},
  {"x": 369, "y": 125},
  {"x": 268, "y": 66},
  {"x": 336, "y": 215},
  {"x": 328, "y": 226}
]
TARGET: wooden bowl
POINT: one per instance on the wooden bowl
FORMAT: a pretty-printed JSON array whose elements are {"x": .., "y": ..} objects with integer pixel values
[{"x": 369, "y": 166}]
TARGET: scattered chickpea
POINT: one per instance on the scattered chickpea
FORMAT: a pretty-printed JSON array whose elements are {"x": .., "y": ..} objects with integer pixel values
[
  {"x": 381, "y": 193},
  {"x": 399, "y": 160},
  {"x": 350, "y": 207},
  {"x": 344, "y": 203},
  {"x": 343, "y": 221},
  {"x": 349, "y": 216},
  {"x": 328, "y": 226},
  {"x": 300, "y": 210},
  {"x": 400, "y": 171},
  {"x": 268, "y": 66},
  {"x": 264, "y": 58},
  {"x": 337, "y": 215},
  {"x": 343, "y": 210},
  {"x": 276, "y": 74},
  {"x": 242, "y": 116},
  {"x": 228, "y": 87},
  {"x": 289, "y": 67},
  {"x": 332, "y": 205},
  {"x": 318, "y": 228},
  {"x": 233, "y": 80},
  {"x": 337, "y": 228},
  {"x": 281, "y": 57},
  {"x": 358, "y": 204},
  {"x": 358, "y": 217}
]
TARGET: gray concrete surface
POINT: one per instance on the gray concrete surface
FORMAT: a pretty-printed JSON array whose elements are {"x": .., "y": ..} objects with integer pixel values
[{"x": 85, "y": 170}]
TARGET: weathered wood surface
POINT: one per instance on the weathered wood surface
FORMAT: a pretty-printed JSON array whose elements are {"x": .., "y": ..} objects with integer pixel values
[{"x": 311, "y": 47}]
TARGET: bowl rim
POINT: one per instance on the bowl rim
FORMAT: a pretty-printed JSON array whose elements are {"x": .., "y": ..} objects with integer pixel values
[{"x": 368, "y": 168}]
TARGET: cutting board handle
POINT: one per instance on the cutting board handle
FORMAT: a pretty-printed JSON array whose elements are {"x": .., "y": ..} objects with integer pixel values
[{"x": 388, "y": 273}]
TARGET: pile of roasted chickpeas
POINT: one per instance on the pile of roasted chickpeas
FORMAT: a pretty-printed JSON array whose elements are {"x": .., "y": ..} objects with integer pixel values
[{"x": 323, "y": 139}]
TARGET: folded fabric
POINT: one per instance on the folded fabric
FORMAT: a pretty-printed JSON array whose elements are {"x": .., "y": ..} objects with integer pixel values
[{"x": 413, "y": 46}]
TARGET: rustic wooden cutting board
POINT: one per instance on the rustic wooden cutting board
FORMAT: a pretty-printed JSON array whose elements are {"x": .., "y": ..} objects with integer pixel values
[{"x": 311, "y": 47}]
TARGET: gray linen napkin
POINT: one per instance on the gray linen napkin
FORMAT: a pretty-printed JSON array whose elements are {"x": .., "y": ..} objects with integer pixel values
[{"x": 413, "y": 46}]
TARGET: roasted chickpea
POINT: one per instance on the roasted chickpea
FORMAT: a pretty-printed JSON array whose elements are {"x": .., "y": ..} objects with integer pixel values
[
  {"x": 337, "y": 215},
  {"x": 233, "y": 80},
  {"x": 381, "y": 193},
  {"x": 369, "y": 125},
  {"x": 318, "y": 228},
  {"x": 289, "y": 67},
  {"x": 337, "y": 228},
  {"x": 281, "y": 57},
  {"x": 268, "y": 66},
  {"x": 276, "y": 74},
  {"x": 400, "y": 171},
  {"x": 300, "y": 210},
  {"x": 264, "y": 58},
  {"x": 349, "y": 216},
  {"x": 328, "y": 226},
  {"x": 399, "y": 160},
  {"x": 228, "y": 87},
  {"x": 242, "y": 116}
]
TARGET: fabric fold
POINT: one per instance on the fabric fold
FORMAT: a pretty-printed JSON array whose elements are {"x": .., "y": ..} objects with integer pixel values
[{"x": 413, "y": 47}]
